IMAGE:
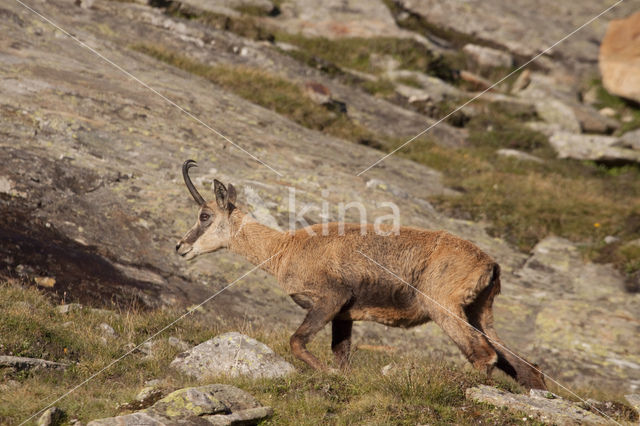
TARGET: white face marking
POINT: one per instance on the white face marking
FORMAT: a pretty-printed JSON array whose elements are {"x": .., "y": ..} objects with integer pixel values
[{"x": 210, "y": 232}]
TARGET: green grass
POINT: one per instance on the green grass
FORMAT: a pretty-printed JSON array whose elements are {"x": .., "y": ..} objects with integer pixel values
[{"x": 419, "y": 390}]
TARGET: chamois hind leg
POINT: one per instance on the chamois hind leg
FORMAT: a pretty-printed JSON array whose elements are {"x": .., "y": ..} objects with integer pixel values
[
  {"x": 480, "y": 313},
  {"x": 474, "y": 345},
  {"x": 320, "y": 313},
  {"x": 341, "y": 341}
]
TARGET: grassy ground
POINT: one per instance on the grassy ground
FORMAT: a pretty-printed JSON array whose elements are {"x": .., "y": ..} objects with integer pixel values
[{"x": 419, "y": 390}]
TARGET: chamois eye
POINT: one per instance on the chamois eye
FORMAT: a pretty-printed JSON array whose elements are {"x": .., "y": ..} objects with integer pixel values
[{"x": 204, "y": 217}]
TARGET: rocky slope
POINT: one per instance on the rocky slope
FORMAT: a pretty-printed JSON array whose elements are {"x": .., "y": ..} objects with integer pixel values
[
  {"x": 92, "y": 194},
  {"x": 525, "y": 30}
]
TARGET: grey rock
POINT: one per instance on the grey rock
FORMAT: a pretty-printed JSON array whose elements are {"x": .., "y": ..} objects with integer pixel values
[
  {"x": 387, "y": 369},
  {"x": 413, "y": 94},
  {"x": 148, "y": 393},
  {"x": 610, "y": 239},
  {"x": 107, "y": 330},
  {"x": 557, "y": 104},
  {"x": 69, "y": 307},
  {"x": 218, "y": 404},
  {"x": 244, "y": 417},
  {"x": 177, "y": 343},
  {"x": 8, "y": 187},
  {"x": 147, "y": 348},
  {"x": 540, "y": 405},
  {"x": 520, "y": 155},
  {"x": 189, "y": 402},
  {"x": 5, "y": 185},
  {"x": 140, "y": 274},
  {"x": 134, "y": 419},
  {"x": 85, "y": 4},
  {"x": 543, "y": 87},
  {"x": 631, "y": 140},
  {"x": 546, "y": 129},
  {"x": 592, "y": 147},
  {"x": 513, "y": 104},
  {"x": 556, "y": 112},
  {"x": 436, "y": 89},
  {"x": 232, "y": 354},
  {"x": 51, "y": 417},
  {"x": 558, "y": 279},
  {"x": 488, "y": 57},
  {"x": 591, "y": 121},
  {"x": 22, "y": 363}
]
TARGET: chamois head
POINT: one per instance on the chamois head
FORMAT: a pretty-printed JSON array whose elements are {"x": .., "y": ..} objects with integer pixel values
[{"x": 212, "y": 230}]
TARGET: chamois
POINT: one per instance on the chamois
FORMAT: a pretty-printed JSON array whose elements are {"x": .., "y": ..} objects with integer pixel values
[{"x": 331, "y": 275}]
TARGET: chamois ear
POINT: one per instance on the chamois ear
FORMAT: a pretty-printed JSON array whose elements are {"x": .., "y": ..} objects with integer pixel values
[
  {"x": 221, "y": 194},
  {"x": 231, "y": 194}
]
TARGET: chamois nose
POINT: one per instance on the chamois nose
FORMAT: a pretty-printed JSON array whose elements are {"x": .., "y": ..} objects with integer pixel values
[{"x": 178, "y": 246}]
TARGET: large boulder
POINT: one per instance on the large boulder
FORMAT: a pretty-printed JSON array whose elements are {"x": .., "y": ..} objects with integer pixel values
[
  {"x": 232, "y": 354},
  {"x": 216, "y": 404},
  {"x": 619, "y": 58}
]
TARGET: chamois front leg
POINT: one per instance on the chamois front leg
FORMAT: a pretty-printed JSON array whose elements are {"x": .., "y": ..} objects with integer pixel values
[
  {"x": 341, "y": 341},
  {"x": 320, "y": 313}
]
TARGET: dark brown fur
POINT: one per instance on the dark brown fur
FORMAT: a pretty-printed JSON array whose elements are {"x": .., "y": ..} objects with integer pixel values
[{"x": 330, "y": 276}]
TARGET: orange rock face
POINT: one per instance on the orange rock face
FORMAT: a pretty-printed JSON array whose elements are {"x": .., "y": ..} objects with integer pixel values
[{"x": 619, "y": 58}]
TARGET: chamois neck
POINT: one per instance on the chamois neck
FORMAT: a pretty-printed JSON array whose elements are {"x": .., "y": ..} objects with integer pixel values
[{"x": 256, "y": 242}]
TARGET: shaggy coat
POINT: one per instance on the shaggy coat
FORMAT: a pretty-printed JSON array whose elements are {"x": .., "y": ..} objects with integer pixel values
[{"x": 400, "y": 280}]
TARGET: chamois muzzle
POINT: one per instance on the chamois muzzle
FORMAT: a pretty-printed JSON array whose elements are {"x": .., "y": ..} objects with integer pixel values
[{"x": 187, "y": 180}]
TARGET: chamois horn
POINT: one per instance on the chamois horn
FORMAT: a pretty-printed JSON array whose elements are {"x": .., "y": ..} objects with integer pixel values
[{"x": 187, "y": 180}]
